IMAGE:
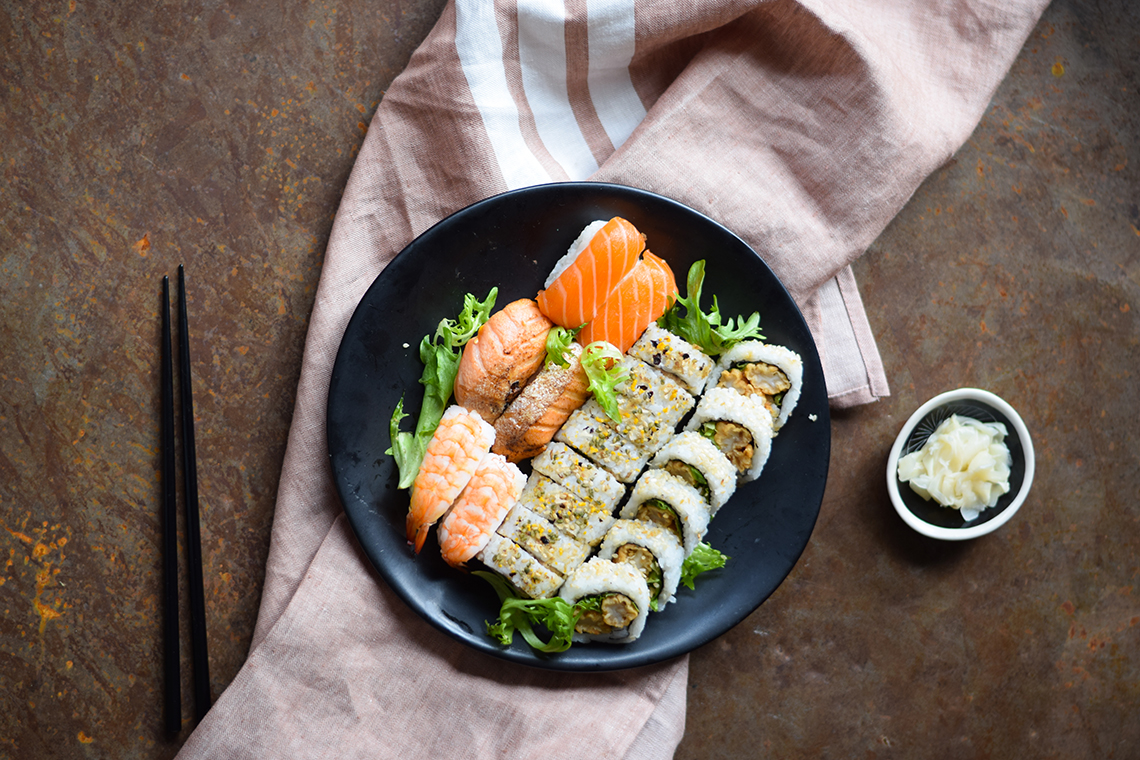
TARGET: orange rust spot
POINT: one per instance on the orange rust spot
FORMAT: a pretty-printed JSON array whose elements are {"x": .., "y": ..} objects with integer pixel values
[
  {"x": 1125, "y": 308},
  {"x": 242, "y": 350},
  {"x": 21, "y": 536},
  {"x": 186, "y": 77},
  {"x": 1068, "y": 607},
  {"x": 1065, "y": 212},
  {"x": 142, "y": 245},
  {"x": 84, "y": 738}
]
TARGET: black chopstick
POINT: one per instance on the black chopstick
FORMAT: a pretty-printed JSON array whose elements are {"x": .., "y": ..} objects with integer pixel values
[
  {"x": 171, "y": 669},
  {"x": 198, "y": 647}
]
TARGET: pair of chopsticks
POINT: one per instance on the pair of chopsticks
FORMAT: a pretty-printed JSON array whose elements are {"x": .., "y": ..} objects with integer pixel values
[{"x": 171, "y": 658}]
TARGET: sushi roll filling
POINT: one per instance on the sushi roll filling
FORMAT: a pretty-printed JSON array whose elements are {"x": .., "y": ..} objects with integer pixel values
[
  {"x": 645, "y": 563},
  {"x": 604, "y": 613},
  {"x": 690, "y": 475},
  {"x": 659, "y": 512},
  {"x": 734, "y": 441},
  {"x": 758, "y": 379}
]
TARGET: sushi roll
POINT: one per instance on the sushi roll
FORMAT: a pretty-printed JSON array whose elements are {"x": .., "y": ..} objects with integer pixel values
[
  {"x": 591, "y": 432},
  {"x": 739, "y": 426},
  {"x": 774, "y": 374},
  {"x": 651, "y": 403},
  {"x": 674, "y": 355},
  {"x": 549, "y": 545},
  {"x": 697, "y": 461},
  {"x": 583, "y": 519},
  {"x": 529, "y": 576},
  {"x": 661, "y": 498},
  {"x": 650, "y": 406},
  {"x": 480, "y": 508},
  {"x": 612, "y": 600},
  {"x": 570, "y": 469},
  {"x": 653, "y": 550}
]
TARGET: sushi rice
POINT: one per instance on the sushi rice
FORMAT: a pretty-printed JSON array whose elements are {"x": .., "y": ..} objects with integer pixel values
[
  {"x": 684, "y": 500},
  {"x": 659, "y": 542},
  {"x": 601, "y": 576},
  {"x": 726, "y": 404}
]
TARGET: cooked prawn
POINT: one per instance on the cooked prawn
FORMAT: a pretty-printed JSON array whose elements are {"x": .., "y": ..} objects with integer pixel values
[
  {"x": 452, "y": 455},
  {"x": 480, "y": 508}
]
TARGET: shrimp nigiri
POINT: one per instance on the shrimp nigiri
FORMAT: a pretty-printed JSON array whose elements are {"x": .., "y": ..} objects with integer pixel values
[
  {"x": 450, "y": 459},
  {"x": 580, "y": 287},
  {"x": 640, "y": 298},
  {"x": 480, "y": 508},
  {"x": 498, "y": 362}
]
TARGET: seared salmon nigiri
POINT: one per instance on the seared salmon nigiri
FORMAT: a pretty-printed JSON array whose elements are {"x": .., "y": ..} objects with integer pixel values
[
  {"x": 533, "y": 418},
  {"x": 499, "y": 361},
  {"x": 581, "y": 281}
]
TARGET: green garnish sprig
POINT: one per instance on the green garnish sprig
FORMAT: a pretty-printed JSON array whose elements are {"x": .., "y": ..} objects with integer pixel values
[
  {"x": 708, "y": 331},
  {"x": 558, "y": 342},
  {"x": 602, "y": 364},
  {"x": 703, "y": 559},
  {"x": 520, "y": 614},
  {"x": 440, "y": 354}
]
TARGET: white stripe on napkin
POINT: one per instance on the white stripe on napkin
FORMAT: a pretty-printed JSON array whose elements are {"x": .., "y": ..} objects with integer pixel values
[
  {"x": 480, "y": 50},
  {"x": 611, "y": 40},
  {"x": 543, "y": 65},
  {"x": 542, "y": 58}
]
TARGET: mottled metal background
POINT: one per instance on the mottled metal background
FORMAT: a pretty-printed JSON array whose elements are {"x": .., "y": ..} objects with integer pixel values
[{"x": 135, "y": 136}]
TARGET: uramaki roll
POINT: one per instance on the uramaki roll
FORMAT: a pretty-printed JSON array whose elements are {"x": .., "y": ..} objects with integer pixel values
[
  {"x": 739, "y": 426},
  {"x": 696, "y": 460},
  {"x": 613, "y": 600},
  {"x": 774, "y": 374},
  {"x": 661, "y": 498},
  {"x": 653, "y": 550}
]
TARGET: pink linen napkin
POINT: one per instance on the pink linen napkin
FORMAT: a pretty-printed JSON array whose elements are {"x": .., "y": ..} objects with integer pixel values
[{"x": 802, "y": 126}]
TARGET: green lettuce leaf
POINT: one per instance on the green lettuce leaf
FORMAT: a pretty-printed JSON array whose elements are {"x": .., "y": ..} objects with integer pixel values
[
  {"x": 520, "y": 614},
  {"x": 601, "y": 362},
  {"x": 703, "y": 559},
  {"x": 558, "y": 342},
  {"x": 440, "y": 354},
  {"x": 708, "y": 331}
]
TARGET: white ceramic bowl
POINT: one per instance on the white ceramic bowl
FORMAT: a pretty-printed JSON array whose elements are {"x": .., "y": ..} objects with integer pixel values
[{"x": 928, "y": 517}]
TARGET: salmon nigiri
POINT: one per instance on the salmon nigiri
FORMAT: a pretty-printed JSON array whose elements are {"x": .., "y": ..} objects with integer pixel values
[
  {"x": 499, "y": 361},
  {"x": 533, "y": 418},
  {"x": 480, "y": 508},
  {"x": 580, "y": 283},
  {"x": 462, "y": 439},
  {"x": 640, "y": 298}
]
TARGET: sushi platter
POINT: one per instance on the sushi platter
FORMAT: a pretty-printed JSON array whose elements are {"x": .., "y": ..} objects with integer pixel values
[{"x": 510, "y": 243}]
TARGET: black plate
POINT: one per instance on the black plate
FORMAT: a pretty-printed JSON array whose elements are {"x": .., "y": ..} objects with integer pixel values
[{"x": 512, "y": 241}]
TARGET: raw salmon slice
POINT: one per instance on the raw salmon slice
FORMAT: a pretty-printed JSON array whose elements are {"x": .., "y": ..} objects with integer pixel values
[
  {"x": 578, "y": 292},
  {"x": 640, "y": 298}
]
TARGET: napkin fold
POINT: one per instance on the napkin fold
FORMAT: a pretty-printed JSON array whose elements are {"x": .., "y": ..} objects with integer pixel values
[{"x": 802, "y": 126}]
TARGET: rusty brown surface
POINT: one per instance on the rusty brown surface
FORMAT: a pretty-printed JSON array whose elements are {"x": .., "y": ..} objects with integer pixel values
[{"x": 138, "y": 136}]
